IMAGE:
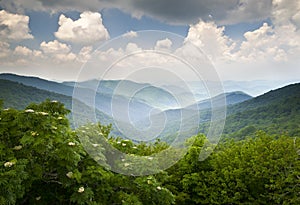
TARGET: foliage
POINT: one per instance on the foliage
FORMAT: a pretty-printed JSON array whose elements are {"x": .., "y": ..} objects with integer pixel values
[
  {"x": 276, "y": 112},
  {"x": 42, "y": 161},
  {"x": 263, "y": 170}
]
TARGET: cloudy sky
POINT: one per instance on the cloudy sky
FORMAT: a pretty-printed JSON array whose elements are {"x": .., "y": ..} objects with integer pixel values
[{"x": 243, "y": 39}]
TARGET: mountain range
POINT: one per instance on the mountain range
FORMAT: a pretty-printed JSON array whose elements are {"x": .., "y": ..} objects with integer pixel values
[{"x": 276, "y": 111}]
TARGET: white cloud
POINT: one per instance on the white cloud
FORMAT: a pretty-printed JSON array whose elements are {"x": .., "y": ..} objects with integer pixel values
[
  {"x": 22, "y": 51},
  {"x": 14, "y": 27},
  {"x": 85, "y": 54},
  {"x": 25, "y": 56},
  {"x": 130, "y": 34},
  {"x": 164, "y": 44},
  {"x": 87, "y": 30},
  {"x": 279, "y": 43},
  {"x": 54, "y": 47},
  {"x": 59, "y": 51},
  {"x": 4, "y": 49},
  {"x": 132, "y": 47},
  {"x": 270, "y": 50},
  {"x": 211, "y": 39}
]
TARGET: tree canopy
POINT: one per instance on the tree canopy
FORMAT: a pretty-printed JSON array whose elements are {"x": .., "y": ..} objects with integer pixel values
[{"x": 42, "y": 161}]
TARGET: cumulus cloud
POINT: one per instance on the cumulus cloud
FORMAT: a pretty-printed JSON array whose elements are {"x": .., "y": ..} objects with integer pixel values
[
  {"x": 164, "y": 44},
  {"x": 22, "y": 51},
  {"x": 88, "y": 29},
  {"x": 4, "y": 49},
  {"x": 14, "y": 27},
  {"x": 211, "y": 40},
  {"x": 130, "y": 34},
  {"x": 54, "y": 47},
  {"x": 268, "y": 49},
  {"x": 278, "y": 43},
  {"x": 132, "y": 47},
  {"x": 85, "y": 54},
  {"x": 266, "y": 43},
  {"x": 23, "y": 55},
  {"x": 60, "y": 52}
]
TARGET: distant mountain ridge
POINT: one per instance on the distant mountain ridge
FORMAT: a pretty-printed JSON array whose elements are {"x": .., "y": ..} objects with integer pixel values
[
  {"x": 276, "y": 111},
  {"x": 39, "y": 83},
  {"x": 231, "y": 99},
  {"x": 18, "y": 96}
]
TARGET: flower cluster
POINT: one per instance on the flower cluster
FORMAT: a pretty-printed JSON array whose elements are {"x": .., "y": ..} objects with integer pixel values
[
  {"x": 71, "y": 144},
  {"x": 81, "y": 189},
  {"x": 9, "y": 164},
  {"x": 29, "y": 110},
  {"x": 18, "y": 147},
  {"x": 69, "y": 175}
]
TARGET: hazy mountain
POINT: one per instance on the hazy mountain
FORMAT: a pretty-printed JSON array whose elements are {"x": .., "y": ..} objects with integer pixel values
[
  {"x": 18, "y": 96},
  {"x": 253, "y": 88},
  {"x": 150, "y": 95},
  {"x": 231, "y": 99},
  {"x": 275, "y": 112},
  {"x": 143, "y": 104},
  {"x": 39, "y": 83}
]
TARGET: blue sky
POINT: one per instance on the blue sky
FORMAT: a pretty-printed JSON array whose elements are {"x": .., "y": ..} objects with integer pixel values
[{"x": 244, "y": 40}]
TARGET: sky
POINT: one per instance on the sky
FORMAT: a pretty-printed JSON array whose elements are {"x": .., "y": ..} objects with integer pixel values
[{"x": 243, "y": 40}]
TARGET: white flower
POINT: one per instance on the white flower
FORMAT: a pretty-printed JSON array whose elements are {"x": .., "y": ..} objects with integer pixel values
[
  {"x": 71, "y": 144},
  {"x": 53, "y": 127},
  {"x": 38, "y": 198},
  {"x": 118, "y": 142},
  {"x": 123, "y": 160},
  {"x": 95, "y": 145},
  {"x": 34, "y": 133},
  {"x": 6, "y": 109},
  {"x": 18, "y": 147},
  {"x": 158, "y": 188},
  {"x": 81, "y": 189},
  {"x": 124, "y": 144},
  {"x": 43, "y": 113},
  {"x": 54, "y": 101},
  {"x": 134, "y": 147},
  {"x": 126, "y": 164},
  {"x": 126, "y": 140},
  {"x": 69, "y": 175},
  {"x": 29, "y": 110},
  {"x": 9, "y": 164},
  {"x": 150, "y": 158},
  {"x": 59, "y": 118}
]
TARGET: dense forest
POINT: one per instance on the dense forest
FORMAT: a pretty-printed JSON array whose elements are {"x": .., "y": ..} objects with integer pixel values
[{"x": 42, "y": 161}]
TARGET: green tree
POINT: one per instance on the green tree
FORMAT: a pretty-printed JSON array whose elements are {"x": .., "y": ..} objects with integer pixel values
[{"x": 42, "y": 161}]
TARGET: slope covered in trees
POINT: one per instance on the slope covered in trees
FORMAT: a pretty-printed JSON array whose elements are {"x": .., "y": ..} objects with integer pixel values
[
  {"x": 42, "y": 161},
  {"x": 18, "y": 96},
  {"x": 277, "y": 111}
]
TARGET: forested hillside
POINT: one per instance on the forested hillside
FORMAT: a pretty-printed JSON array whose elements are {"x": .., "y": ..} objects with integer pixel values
[
  {"x": 276, "y": 112},
  {"x": 42, "y": 161},
  {"x": 18, "y": 96},
  {"x": 39, "y": 83}
]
